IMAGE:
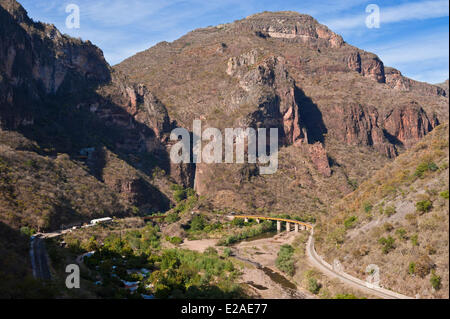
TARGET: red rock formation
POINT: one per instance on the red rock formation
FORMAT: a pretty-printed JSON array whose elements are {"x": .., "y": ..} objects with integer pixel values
[
  {"x": 356, "y": 124},
  {"x": 354, "y": 62},
  {"x": 408, "y": 124},
  {"x": 373, "y": 68},
  {"x": 397, "y": 81},
  {"x": 319, "y": 157}
]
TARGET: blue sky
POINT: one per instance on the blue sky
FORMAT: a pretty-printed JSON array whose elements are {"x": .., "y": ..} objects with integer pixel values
[{"x": 413, "y": 35}]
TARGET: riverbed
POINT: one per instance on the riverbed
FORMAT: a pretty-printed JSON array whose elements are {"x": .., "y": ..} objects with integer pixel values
[{"x": 259, "y": 273}]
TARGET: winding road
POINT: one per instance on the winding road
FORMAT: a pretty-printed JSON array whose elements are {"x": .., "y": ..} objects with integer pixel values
[
  {"x": 327, "y": 269},
  {"x": 354, "y": 282}
]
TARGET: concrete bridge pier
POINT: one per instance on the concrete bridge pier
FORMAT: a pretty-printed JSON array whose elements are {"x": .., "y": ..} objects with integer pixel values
[
  {"x": 258, "y": 221},
  {"x": 296, "y": 228},
  {"x": 288, "y": 227},
  {"x": 246, "y": 220},
  {"x": 278, "y": 226}
]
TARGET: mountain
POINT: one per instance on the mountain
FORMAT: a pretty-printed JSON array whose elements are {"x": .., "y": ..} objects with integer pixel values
[{"x": 341, "y": 113}]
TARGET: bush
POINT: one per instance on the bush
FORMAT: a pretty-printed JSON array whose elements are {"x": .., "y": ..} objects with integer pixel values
[
  {"x": 425, "y": 167},
  {"x": 238, "y": 222},
  {"x": 435, "y": 281},
  {"x": 198, "y": 223},
  {"x": 390, "y": 210},
  {"x": 415, "y": 240},
  {"x": 175, "y": 240},
  {"x": 349, "y": 222},
  {"x": 444, "y": 194},
  {"x": 423, "y": 266},
  {"x": 285, "y": 261},
  {"x": 412, "y": 268},
  {"x": 172, "y": 218},
  {"x": 313, "y": 286},
  {"x": 27, "y": 231},
  {"x": 367, "y": 207},
  {"x": 424, "y": 206},
  {"x": 388, "y": 244},
  {"x": 180, "y": 193},
  {"x": 227, "y": 252},
  {"x": 388, "y": 227},
  {"x": 401, "y": 232}
]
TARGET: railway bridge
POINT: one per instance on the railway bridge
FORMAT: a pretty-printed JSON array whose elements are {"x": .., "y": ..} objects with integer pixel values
[{"x": 298, "y": 225}]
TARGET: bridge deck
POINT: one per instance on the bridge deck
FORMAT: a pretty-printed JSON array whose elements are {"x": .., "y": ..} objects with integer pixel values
[{"x": 291, "y": 221}]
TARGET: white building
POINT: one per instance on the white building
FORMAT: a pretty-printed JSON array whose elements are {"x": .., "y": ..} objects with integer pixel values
[{"x": 101, "y": 220}]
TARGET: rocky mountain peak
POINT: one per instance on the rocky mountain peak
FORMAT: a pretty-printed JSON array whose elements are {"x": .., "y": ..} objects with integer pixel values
[
  {"x": 15, "y": 10},
  {"x": 292, "y": 25}
]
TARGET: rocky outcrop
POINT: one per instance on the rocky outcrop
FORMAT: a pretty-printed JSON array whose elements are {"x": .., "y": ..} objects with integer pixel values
[
  {"x": 359, "y": 125},
  {"x": 354, "y": 62},
  {"x": 408, "y": 124},
  {"x": 367, "y": 65},
  {"x": 397, "y": 81},
  {"x": 319, "y": 158},
  {"x": 269, "y": 87},
  {"x": 292, "y": 26}
]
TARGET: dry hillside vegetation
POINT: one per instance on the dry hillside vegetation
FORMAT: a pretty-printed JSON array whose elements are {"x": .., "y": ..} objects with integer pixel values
[{"x": 398, "y": 220}]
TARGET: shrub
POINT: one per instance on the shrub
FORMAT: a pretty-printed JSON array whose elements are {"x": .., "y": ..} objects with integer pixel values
[
  {"x": 285, "y": 261},
  {"x": 367, "y": 207},
  {"x": 27, "y": 231},
  {"x": 349, "y": 222},
  {"x": 171, "y": 218},
  {"x": 415, "y": 240},
  {"x": 424, "y": 206},
  {"x": 388, "y": 227},
  {"x": 435, "y": 281},
  {"x": 181, "y": 193},
  {"x": 401, "y": 232},
  {"x": 425, "y": 167},
  {"x": 423, "y": 266},
  {"x": 387, "y": 244},
  {"x": 314, "y": 286},
  {"x": 175, "y": 240},
  {"x": 198, "y": 223},
  {"x": 412, "y": 268},
  {"x": 390, "y": 210},
  {"x": 444, "y": 194},
  {"x": 227, "y": 252},
  {"x": 430, "y": 250},
  {"x": 238, "y": 222}
]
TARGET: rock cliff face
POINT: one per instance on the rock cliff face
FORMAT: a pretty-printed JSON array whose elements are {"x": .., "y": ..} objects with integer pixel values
[
  {"x": 408, "y": 123},
  {"x": 61, "y": 92},
  {"x": 36, "y": 60},
  {"x": 267, "y": 85},
  {"x": 291, "y": 25},
  {"x": 397, "y": 81}
]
